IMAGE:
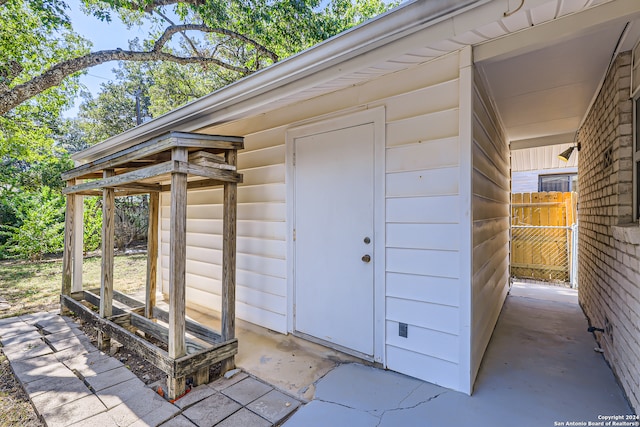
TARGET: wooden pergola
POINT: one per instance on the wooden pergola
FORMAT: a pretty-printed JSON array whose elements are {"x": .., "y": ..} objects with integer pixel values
[{"x": 173, "y": 162}]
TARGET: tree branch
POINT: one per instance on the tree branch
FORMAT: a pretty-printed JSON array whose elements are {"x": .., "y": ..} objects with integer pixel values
[
  {"x": 53, "y": 77},
  {"x": 184, "y": 34}
]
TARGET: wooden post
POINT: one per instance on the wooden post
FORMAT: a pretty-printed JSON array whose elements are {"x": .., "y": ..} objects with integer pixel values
[
  {"x": 78, "y": 243},
  {"x": 106, "y": 278},
  {"x": 177, "y": 269},
  {"x": 152, "y": 254},
  {"x": 68, "y": 244},
  {"x": 229, "y": 261}
]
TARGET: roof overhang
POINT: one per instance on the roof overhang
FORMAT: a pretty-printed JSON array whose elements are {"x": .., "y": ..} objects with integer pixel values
[{"x": 414, "y": 33}]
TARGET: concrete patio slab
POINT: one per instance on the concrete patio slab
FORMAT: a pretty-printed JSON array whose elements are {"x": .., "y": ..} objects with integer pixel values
[
  {"x": 211, "y": 410},
  {"x": 15, "y": 328},
  {"x": 365, "y": 388},
  {"x": 194, "y": 396},
  {"x": 73, "y": 412},
  {"x": 147, "y": 406},
  {"x": 102, "y": 419},
  {"x": 540, "y": 369},
  {"x": 121, "y": 393},
  {"x": 21, "y": 338},
  {"x": 321, "y": 414},
  {"x": 92, "y": 363},
  {"x": 179, "y": 421},
  {"x": 223, "y": 383},
  {"x": 109, "y": 378},
  {"x": 247, "y": 390},
  {"x": 244, "y": 418},
  {"x": 59, "y": 382},
  {"x": 73, "y": 390},
  {"x": 274, "y": 406}
]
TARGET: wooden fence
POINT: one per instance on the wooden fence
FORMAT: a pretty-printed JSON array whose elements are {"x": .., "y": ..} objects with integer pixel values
[{"x": 541, "y": 235}]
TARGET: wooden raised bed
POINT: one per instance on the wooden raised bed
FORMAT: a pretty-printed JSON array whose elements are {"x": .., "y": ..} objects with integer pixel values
[
  {"x": 171, "y": 163},
  {"x": 204, "y": 346}
]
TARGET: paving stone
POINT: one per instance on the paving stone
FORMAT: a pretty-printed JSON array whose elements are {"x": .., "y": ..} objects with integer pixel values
[
  {"x": 17, "y": 339},
  {"x": 34, "y": 318},
  {"x": 120, "y": 393},
  {"x": 211, "y": 410},
  {"x": 69, "y": 333},
  {"x": 44, "y": 385},
  {"x": 15, "y": 328},
  {"x": 28, "y": 374},
  {"x": 244, "y": 418},
  {"x": 24, "y": 366},
  {"x": 247, "y": 390},
  {"x": 103, "y": 419},
  {"x": 157, "y": 416},
  {"x": 74, "y": 390},
  {"x": 72, "y": 352},
  {"x": 222, "y": 383},
  {"x": 92, "y": 363},
  {"x": 274, "y": 406},
  {"x": 55, "y": 327},
  {"x": 9, "y": 320},
  {"x": 27, "y": 350},
  {"x": 63, "y": 344},
  {"x": 73, "y": 412},
  {"x": 179, "y": 421},
  {"x": 143, "y": 407},
  {"x": 109, "y": 378},
  {"x": 195, "y": 395}
]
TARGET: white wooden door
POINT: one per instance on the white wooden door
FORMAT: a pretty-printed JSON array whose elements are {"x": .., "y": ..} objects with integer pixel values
[{"x": 334, "y": 202}]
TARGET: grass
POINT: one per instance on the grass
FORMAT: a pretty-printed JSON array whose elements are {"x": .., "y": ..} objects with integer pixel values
[{"x": 29, "y": 287}]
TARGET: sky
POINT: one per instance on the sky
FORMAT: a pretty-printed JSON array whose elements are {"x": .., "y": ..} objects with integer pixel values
[{"x": 103, "y": 35}]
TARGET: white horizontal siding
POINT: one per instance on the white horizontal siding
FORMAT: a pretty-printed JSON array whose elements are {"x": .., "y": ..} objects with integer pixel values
[
  {"x": 438, "y": 290},
  {"x": 491, "y": 219},
  {"x": 261, "y": 237},
  {"x": 423, "y": 230},
  {"x": 424, "y": 367},
  {"x": 423, "y": 208}
]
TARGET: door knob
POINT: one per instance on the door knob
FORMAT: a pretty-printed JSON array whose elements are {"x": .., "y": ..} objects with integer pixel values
[{"x": 366, "y": 258}]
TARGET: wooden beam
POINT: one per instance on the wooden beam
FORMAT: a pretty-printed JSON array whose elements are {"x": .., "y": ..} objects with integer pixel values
[
  {"x": 196, "y": 185},
  {"x": 155, "y": 146},
  {"x": 161, "y": 332},
  {"x": 68, "y": 242},
  {"x": 106, "y": 277},
  {"x": 204, "y": 158},
  {"x": 194, "y": 328},
  {"x": 152, "y": 254},
  {"x": 78, "y": 243},
  {"x": 125, "y": 178},
  {"x": 177, "y": 257},
  {"x": 228, "y": 308},
  {"x": 209, "y": 172},
  {"x": 155, "y": 171}
]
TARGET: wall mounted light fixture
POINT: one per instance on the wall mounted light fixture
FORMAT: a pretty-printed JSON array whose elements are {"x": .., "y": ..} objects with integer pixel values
[{"x": 564, "y": 156}]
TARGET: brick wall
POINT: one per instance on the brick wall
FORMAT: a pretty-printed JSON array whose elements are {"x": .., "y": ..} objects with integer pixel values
[{"x": 609, "y": 251}]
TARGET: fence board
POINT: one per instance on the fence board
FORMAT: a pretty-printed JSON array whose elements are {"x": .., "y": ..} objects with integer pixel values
[{"x": 542, "y": 254}]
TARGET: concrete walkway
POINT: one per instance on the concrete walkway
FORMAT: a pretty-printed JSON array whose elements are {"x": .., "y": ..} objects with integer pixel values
[
  {"x": 540, "y": 369},
  {"x": 71, "y": 383}
]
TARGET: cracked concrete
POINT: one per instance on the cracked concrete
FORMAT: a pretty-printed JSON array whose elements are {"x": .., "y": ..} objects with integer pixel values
[{"x": 539, "y": 368}]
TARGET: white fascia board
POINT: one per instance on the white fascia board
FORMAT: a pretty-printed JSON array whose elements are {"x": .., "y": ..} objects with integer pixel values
[{"x": 401, "y": 22}]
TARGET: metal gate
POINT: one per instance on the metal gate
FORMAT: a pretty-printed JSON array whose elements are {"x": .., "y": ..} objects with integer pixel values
[
  {"x": 544, "y": 237},
  {"x": 545, "y": 253}
]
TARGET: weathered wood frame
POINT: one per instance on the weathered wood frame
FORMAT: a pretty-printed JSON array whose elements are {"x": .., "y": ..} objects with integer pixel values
[{"x": 165, "y": 163}]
